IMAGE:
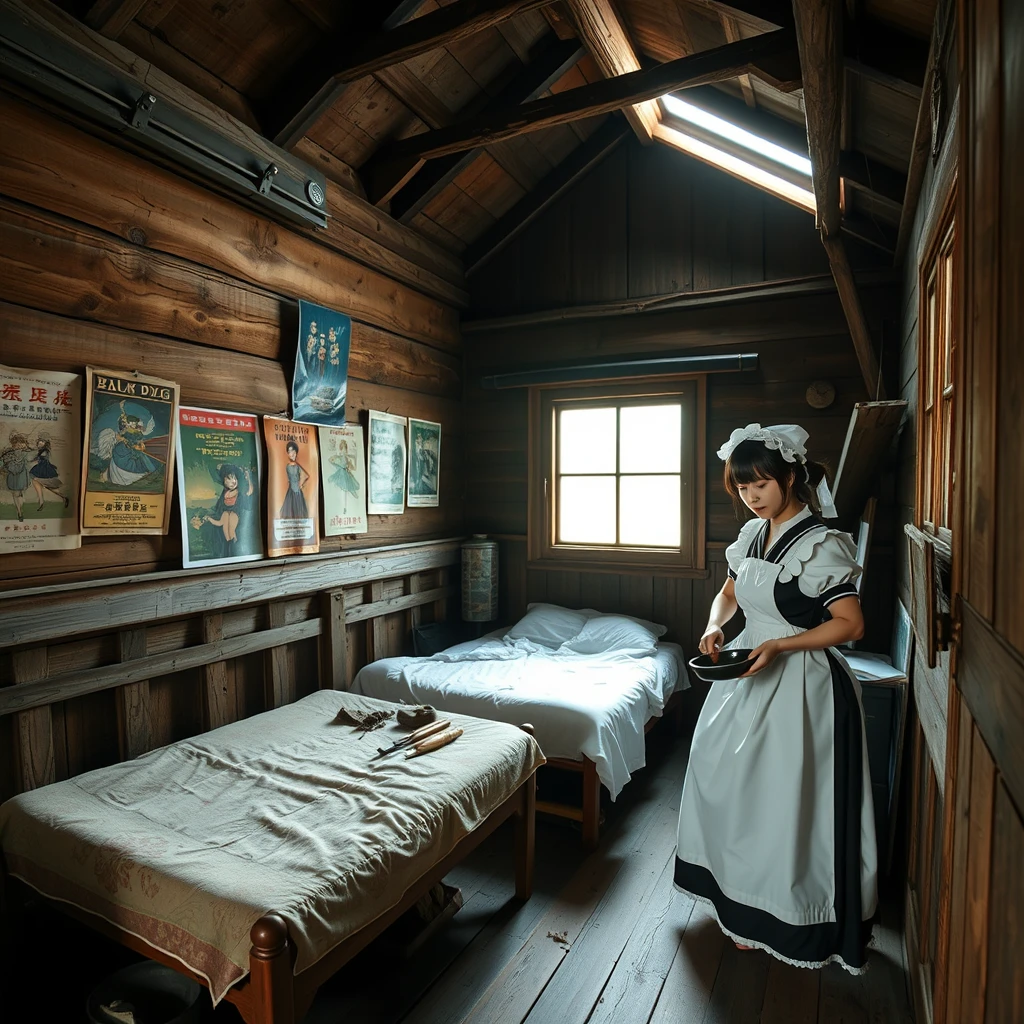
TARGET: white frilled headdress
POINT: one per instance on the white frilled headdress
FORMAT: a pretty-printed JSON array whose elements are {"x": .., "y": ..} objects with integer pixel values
[{"x": 790, "y": 441}]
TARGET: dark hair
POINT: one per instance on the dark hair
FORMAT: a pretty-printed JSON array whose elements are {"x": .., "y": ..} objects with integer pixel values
[
  {"x": 752, "y": 460},
  {"x": 292, "y": 443},
  {"x": 229, "y": 469}
]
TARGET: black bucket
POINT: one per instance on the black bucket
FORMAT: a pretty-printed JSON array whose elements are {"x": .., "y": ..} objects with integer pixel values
[{"x": 156, "y": 994}]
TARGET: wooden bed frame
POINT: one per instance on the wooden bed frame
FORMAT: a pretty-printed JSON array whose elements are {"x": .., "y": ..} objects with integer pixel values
[
  {"x": 272, "y": 993},
  {"x": 589, "y": 814}
]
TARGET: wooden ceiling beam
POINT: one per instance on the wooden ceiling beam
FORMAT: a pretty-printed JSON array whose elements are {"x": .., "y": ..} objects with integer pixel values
[
  {"x": 550, "y": 188},
  {"x": 733, "y": 35},
  {"x": 819, "y": 29},
  {"x": 759, "y": 15},
  {"x": 111, "y": 17},
  {"x": 605, "y": 36},
  {"x": 719, "y": 64},
  {"x": 344, "y": 57},
  {"x": 884, "y": 54},
  {"x": 535, "y": 78}
]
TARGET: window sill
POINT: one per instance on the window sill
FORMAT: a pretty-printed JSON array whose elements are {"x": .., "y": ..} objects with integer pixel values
[{"x": 618, "y": 568}]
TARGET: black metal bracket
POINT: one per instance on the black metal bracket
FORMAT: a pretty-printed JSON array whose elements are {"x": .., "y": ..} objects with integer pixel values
[
  {"x": 140, "y": 112},
  {"x": 267, "y": 180}
]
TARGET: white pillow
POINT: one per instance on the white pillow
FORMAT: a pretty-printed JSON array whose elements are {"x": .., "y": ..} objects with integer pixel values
[
  {"x": 549, "y": 625},
  {"x": 621, "y": 634},
  {"x": 591, "y": 613}
]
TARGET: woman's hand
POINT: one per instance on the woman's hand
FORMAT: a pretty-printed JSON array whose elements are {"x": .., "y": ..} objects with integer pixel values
[
  {"x": 763, "y": 655},
  {"x": 711, "y": 642}
]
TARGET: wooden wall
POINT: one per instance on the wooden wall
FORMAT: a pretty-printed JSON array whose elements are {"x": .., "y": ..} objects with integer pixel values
[
  {"x": 649, "y": 220},
  {"x": 108, "y": 259}
]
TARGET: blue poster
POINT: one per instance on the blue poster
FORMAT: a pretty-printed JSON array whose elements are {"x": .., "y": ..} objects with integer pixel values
[{"x": 321, "y": 366}]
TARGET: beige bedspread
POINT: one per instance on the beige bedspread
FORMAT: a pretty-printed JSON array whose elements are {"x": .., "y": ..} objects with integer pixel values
[{"x": 189, "y": 845}]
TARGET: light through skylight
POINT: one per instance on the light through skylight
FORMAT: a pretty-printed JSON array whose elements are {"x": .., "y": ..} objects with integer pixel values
[{"x": 726, "y": 130}]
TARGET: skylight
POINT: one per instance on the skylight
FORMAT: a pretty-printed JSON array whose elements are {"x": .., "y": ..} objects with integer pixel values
[{"x": 733, "y": 133}]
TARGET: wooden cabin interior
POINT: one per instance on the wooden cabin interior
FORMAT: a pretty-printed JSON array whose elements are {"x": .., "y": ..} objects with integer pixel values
[{"x": 785, "y": 211}]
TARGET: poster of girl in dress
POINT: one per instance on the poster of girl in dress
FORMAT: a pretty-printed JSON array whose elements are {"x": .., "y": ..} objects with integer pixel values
[
  {"x": 128, "y": 474},
  {"x": 40, "y": 449},
  {"x": 320, "y": 383},
  {"x": 424, "y": 463},
  {"x": 344, "y": 479},
  {"x": 219, "y": 487},
  {"x": 293, "y": 495},
  {"x": 386, "y": 472}
]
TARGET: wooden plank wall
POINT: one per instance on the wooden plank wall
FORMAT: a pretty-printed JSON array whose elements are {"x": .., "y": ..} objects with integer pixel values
[
  {"x": 107, "y": 258},
  {"x": 650, "y": 220}
]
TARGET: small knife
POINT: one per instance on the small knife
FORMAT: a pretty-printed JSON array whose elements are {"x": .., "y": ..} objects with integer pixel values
[{"x": 415, "y": 737}]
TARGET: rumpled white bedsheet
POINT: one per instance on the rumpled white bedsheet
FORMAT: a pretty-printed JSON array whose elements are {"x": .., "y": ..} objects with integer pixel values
[
  {"x": 187, "y": 846},
  {"x": 592, "y": 705}
]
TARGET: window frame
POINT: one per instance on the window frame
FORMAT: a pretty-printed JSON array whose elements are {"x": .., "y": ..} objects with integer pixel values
[{"x": 688, "y": 560}]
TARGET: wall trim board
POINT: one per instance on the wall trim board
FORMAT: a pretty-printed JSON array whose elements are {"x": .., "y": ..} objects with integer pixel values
[
  {"x": 818, "y": 284},
  {"x": 36, "y": 615}
]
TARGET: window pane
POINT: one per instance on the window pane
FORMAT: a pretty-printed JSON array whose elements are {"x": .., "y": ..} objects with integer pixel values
[
  {"x": 649, "y": 510},
  {"x": 586, "y": 439},
  {"x": 649, "y": 438},
  {"x": 586, "y": 510}
]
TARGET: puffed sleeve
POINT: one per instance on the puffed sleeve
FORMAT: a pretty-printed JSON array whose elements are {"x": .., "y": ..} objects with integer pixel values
[
  {"x": 737, "y": 550},
  {"x": 826, "y": 565}
]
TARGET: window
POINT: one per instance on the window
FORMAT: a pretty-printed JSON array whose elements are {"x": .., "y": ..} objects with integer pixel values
[
  {"x": 616, "y": 475},
  {"x": 937, "y": 354}
]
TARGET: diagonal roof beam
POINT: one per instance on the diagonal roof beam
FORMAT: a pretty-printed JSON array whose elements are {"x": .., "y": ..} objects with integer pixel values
[
  {"x": 111, "y": 17},
  {"x": 719, "y": 64},
  {"x": 605, "y": 36},
  {"x": 342, "y": 58},
  {"x": 533, "y": 80},
  {"x": 819, "y": 29}
]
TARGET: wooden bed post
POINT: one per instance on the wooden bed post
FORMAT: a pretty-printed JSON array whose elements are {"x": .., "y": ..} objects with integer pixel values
[
  {"x": 270, "y": 972},
  {"x": 526, "y": 832},
  {"x": 591, "y": 804}
]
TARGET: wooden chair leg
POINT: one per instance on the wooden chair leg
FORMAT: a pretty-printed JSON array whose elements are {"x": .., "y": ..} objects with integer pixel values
[
  {"x": 526, "y": 818},
  {"x": 270, "y": 972},
  {"x": 591, "y": 804}
]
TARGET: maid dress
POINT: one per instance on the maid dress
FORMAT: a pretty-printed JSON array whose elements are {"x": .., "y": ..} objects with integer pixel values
[{"x": 776, "y": 826}]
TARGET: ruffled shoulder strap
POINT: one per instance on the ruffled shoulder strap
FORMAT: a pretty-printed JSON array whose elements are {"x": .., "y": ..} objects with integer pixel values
[
  {"x": 740, "y": 547},
  {"x": 826, "y": 561}
]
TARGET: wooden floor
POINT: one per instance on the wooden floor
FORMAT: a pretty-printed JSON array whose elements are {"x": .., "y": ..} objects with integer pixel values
[{"x": 604, "y": 940}]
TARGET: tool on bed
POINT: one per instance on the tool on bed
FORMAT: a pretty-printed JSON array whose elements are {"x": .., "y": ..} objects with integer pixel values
[
  {"x": 442, "y": 739},
  {"x": 414, "y": 737}
]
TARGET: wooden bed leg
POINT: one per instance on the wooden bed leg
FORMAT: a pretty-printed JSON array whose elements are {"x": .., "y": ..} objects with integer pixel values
[
  {"x": 526, "y": 832},
  {"x": 591, "y": 804},
  {"x": 270, "y": 972}
]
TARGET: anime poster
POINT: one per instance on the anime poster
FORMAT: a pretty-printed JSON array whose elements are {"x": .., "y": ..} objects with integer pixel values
[
  {"x": 128, "y": 471},
  {"x": 40, "y": 449},
  {"x": 320, "y": 383},
  {"x": 424, "y": 463},
  {"x": 219, "y": 457},
  {"x": 386, "y": 471},
  {"x": 344, "y": 479},
  {"x": 293, "y": 496}
]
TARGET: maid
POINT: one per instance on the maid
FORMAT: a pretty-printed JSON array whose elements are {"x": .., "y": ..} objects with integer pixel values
[{"x": 776, "y": 828}]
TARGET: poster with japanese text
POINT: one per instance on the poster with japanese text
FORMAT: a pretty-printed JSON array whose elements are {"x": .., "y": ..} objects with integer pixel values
[
  {"x": 40, "y": 452},
  {"x": 219, "y": 461},
  {"x": 386, "y": 470},
  {"x": 424, "y": 463},
  {"x": 128, "y": 464},
  {"x": 320, "y": 383},
  {"x": 344, "y": 479},
  {"x": 293, "y": 495}
]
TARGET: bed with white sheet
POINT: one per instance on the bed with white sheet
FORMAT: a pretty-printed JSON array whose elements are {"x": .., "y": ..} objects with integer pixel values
[{"x": 588, "y": 683}]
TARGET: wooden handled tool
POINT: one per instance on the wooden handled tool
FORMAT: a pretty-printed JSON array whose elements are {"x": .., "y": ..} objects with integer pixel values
[
  {"x": 434, "y": 742},
  {"x": 415, "y": 737}
]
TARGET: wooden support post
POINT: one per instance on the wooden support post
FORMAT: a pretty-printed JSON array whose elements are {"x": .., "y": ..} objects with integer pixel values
[
  {"x": 275, "y": 665},
  {"x": 334, "y": 645},
  {"x": 134, "y": 722},
  {"x": 219, "y": 705},
  {"x": 33, "y": 729},
  {"x": 376, "y": 629},
  {"x": 526, "y": 835},
  {"x": 270, "y": 972},
  {"x": 591, "y": 804}
]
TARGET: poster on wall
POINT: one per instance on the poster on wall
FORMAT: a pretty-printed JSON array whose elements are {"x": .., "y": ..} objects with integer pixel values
[
  {"x": 40, "y": 449},
  {"x": 219, "y": 456},
  {"x": 128, "y": 463},
  {"x": 386, "y": 470},
  {"x": 424, "y": 463},
  {"x": 293, "y": 495},
  {"x": 320, "y": 383},
  {"x": 344, "y": 479}
]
